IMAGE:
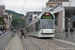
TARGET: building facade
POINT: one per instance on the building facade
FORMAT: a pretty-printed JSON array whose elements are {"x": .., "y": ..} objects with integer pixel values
[
  {"x": 53, "y": 3},
  {"x": 7, "y": 17},
  {"x": 2, "y": 8},
  {"x": 29, "y": 17},
  {"x": 64, "y": 16}
]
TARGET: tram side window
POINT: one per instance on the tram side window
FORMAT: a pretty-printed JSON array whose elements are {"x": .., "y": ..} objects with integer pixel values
[{"x": 37, "y": 26}]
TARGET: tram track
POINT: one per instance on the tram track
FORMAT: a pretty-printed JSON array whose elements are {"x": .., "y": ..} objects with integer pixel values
[
  {"x": 46, "y": 44},
  {"x": 35, "y": 44},
  {"x": 26, "y": 46},
  {"x": 64, "y": 45}
]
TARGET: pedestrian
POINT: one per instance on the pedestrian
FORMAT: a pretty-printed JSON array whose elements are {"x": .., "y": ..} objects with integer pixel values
[
  {"x": 71, "y": 31},
  {"x": 14, "y": 31},
  {"x": 2, "y": 29},
  {"x": 22, "y": 32},
  {"x": 66, "y": 30}
]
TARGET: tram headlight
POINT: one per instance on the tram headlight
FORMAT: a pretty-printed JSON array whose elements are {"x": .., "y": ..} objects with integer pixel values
[
  {"x": 41, "y": 31},
  {"x": 52, "y": 31}
]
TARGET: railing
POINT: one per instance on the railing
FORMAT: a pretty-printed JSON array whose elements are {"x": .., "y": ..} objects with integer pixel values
[
  {"x": 70, "y": 36},
  {"x": 4, "y": 39}
]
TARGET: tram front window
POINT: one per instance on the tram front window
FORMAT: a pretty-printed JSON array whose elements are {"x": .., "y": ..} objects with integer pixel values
[{"x": 47, "y": 23}]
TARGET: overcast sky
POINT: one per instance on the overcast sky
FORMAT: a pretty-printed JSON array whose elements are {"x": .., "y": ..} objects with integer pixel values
[{"x": 30, "y": 5}]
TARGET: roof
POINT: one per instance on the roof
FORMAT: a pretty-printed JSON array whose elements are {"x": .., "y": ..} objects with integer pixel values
[
  {"x": 70, "y": 8},
  {"x": 58, "y": 0},
  {"x": 5, "y": 16}
]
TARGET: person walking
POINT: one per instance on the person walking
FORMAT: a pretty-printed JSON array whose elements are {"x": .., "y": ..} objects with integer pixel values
[
  {"x": 22, "y": 32},
  {"x": 2, "y": 29}
]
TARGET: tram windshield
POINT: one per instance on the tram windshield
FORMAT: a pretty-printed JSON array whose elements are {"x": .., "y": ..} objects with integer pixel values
[{"x": 47, "y": 23}]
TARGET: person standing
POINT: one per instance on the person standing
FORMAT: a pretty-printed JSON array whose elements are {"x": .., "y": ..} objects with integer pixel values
[
  {"x": 14, "y": 31},
  {"x": 66, "y": 30},
  {"x": 2, "y": 29},
  {"x": 23, "y": 32},
  {"x": 71, "y": 32}
]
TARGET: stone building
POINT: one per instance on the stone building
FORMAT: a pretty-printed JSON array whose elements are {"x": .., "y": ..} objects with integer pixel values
[
  {"x": 64, "y": 14},
  {"x": 53, "y": 3}
]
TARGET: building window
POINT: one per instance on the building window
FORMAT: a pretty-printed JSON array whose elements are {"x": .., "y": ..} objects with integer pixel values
[{"x": 2, "y": 7}]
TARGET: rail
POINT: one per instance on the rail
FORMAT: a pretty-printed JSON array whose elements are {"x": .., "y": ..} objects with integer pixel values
[
  {"x": 4, "y": 39},
  {"x": 35, "y": 44},
  {"x": 24, "y": 45}
]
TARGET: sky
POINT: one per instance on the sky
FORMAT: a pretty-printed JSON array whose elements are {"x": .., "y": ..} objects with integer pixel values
[
  {"x": 30, "y": 5},
  {"x": 20, "y": 7}
]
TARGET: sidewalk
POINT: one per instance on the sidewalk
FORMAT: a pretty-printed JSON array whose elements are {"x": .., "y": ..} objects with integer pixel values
[{"x": 15, "y": 44}]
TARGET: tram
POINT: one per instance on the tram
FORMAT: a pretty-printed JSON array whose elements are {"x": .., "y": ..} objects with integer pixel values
[{"x": 43, "y": 25}]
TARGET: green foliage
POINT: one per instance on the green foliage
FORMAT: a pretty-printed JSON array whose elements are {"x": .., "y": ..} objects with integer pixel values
[
  {"x": 16, "y": 22},
  {"x": 2, "y": 20},
  {"x": 14, "y": 14}
]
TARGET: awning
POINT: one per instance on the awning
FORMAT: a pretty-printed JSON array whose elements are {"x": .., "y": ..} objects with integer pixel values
[{"x": 70, "y": 8}]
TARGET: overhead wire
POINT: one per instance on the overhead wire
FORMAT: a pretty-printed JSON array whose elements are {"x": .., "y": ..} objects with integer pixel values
[
  {"x": 37, "y": 9},
  {"x": 23, "y": 6},
  {"x": 41, "y": 6}
]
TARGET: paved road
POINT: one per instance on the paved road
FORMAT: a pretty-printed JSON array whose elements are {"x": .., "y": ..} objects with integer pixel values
[{"x": 33, "y": 43}]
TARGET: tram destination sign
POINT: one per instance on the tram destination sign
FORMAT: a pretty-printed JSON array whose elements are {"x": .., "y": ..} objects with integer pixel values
[{"x": 47, "y": 17}]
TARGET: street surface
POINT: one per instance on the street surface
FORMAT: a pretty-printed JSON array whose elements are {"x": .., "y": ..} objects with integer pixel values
[
  {"x": 34, "y": 43},
  {"x": 15, "y": 44}
]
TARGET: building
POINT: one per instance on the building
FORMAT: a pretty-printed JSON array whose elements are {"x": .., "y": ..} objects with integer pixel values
[
  {"x": 2, "y": 8},
  {"x": 64, "y": 16},
  {"x": 7, "y": 16},
  {"x": 29, "y": 16},
  {"x": 53, "y": 3}
]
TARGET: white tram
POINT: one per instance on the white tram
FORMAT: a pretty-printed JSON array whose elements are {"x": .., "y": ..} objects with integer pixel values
[{"x": 43, "y": 25}]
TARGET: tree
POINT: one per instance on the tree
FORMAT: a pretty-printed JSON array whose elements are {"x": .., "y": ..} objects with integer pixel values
[
  {"x": 16, "y": 22},
  {"x": 2, "y": 22}
]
